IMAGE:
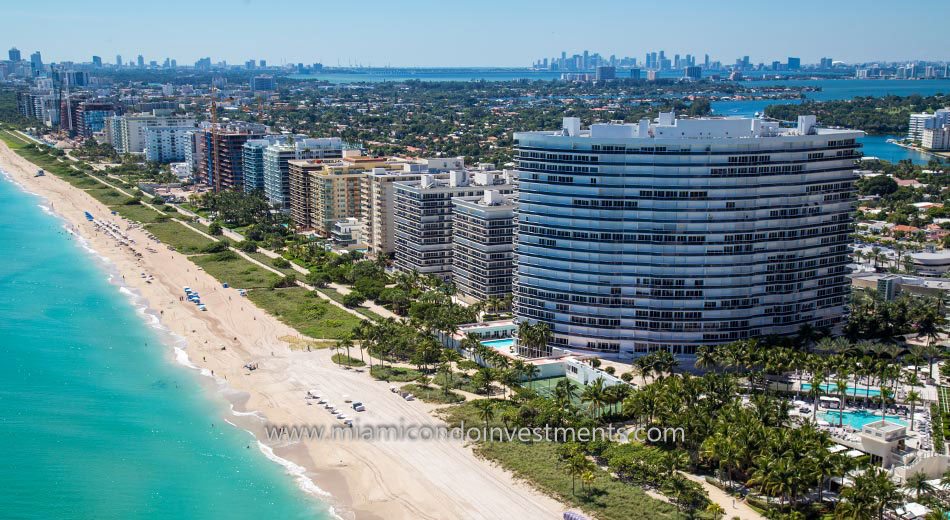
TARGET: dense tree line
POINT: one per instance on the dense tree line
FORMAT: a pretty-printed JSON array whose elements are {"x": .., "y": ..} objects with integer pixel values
[{"x": 875, "y": 115}]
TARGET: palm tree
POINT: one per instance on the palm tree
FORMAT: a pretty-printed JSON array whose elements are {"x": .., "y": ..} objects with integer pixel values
[
  {"x": 885, "y": 395},
  {"x": 918, "y": 483},
  {"x": 715, "y": 511},
  {"x": 841, "y": 385},
  {"x": 345, "y": 343},
  {"x": 594, "y": 396},
  {"x": 577, "y": 465},
  {"x": 587, "y": 480},
  {"x": 817, "y": 381},
  {"x": 564, "y": 392},
  {"x": 486, "y": 411},
  {"x": 470, "y": 343},
  {"x": 706, "y": 357},
  {"x": 884, "y": 492},
  {"x": 913, "y": 397}
]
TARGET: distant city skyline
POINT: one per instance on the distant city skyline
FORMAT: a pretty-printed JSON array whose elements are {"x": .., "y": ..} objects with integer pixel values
[{"x": 426, "y": 33}]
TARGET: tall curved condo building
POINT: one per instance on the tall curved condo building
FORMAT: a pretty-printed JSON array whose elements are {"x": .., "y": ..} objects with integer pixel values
[{"x": 673, "y": 234}]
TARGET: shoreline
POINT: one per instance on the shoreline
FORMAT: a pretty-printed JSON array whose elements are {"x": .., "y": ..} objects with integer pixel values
[
  {"x": 176, "y": 353},
  {"x": 352, "y": 479}
]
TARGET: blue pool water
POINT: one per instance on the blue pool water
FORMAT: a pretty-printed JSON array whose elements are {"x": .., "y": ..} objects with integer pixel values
[
  {"x": 857, "y": 419},
  {"x": 499, "y": 344},
  {"x": 832, "y": 390}
]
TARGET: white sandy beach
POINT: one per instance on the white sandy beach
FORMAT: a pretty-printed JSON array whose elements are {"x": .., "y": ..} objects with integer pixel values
[{"x": 386, "y": 480}]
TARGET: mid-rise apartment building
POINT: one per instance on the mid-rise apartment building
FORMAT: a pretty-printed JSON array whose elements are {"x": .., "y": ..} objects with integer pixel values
[
  {"x": 323, "y": 191},
  {"x": 253, "y": 157},
  {"x": 936, "y": 139},
  {"x": 92, "y": 116},
  {"x": 277, "y": 168},
  {"x": 673, "y": 234},
  {"x": 165, "y": 144},
  {"x": 128, "y": 133},
  {"x": 423, "y": 216},
  {"x": 482, "y": 245},
  {"x": 923, "y": 121},
  {"x": 221, "y": 152},
  {"x": 378, "y": 198}
]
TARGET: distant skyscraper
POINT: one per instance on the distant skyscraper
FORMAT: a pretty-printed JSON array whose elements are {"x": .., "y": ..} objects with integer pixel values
[
  {"x": 694, "y": 73},
  {"x": 36, "y": 62},
  {"x": 263, "y": 64},
  {"x": 118, "y": 60},
  {"x": 174, "y": 64},
  {"x": 794, "y": 63},
  {"x": 96, "y": 61},
  {"x": 14, "y": 54},
  {"x": 140, "y": 60}
]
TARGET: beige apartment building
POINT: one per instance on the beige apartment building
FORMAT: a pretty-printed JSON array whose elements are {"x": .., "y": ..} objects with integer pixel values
[
  {"x": 378, "y": 197},
  {"x": 323, "y": 191}
]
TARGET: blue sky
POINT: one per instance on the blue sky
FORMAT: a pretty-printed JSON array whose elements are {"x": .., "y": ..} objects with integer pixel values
[{"x": 474, "y": 33}]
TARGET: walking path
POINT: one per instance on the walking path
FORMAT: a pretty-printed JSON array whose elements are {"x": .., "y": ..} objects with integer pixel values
[
  {"x": 733, "y": 508},
  {"x": 257, "y": 262}
]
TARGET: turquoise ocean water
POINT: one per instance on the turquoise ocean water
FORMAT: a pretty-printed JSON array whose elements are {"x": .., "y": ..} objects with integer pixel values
[{"x": 96, "y": 418}]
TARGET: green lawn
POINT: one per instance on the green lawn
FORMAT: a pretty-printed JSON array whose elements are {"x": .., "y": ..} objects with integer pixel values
[
  {"x": 235, "y": 271},
  {"x": 350, "y": 361},
  {"x": 13, "y": 140},
  {"x": 86, "y": 183},
  {"x": 178, "y": 236},
  {"x": 107, "y": 196},
  {"x": 608, "y": 499},
  {"x": 305, "y": 311},
  {"x": 337, "y": 297},
  {"x": 434, "y": 395},
  {"x": 140, "y": 213},
  {"x": 269, "y": 262},
  {"x": 399, "y": 374}
]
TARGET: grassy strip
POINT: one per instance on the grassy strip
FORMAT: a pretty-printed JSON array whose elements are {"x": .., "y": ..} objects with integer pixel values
[
  {"x": 179, "y": 237},
  {"x": 343, "y": 359},
  {"x": 606, "y": 499},
  {"x": 434, "y": 395},
  {"x": 108, "y": 196},
  {"x": 14, "y": 141},
  {"x": 237, "y": 272},
  {"x": 398, "y": 374},
  {"x": 140, "y": 213},
  {"x": 337, "y": 297},
  {"x": 305, "y": 311},
  {"x": 269, "y": 262}
]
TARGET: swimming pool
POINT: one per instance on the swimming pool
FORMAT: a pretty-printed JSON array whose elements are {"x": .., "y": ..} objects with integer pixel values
[
  {"x": 499, "y": 344},
  {"x": 832, "y": 389},
  {"x": 858, "y": 418}
]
